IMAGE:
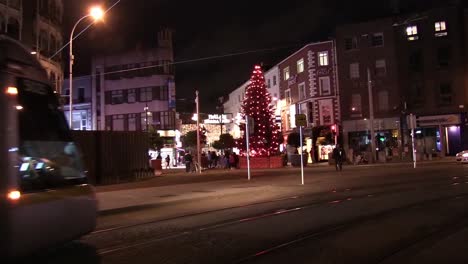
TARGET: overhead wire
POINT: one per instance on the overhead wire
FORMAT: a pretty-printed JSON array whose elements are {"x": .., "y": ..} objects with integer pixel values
[
  {"x": 189, "y": 61},
  {"x": 82, "y": 31}
]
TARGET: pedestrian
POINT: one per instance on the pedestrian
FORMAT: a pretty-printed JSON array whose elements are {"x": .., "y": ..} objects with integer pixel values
[
  {"x": 168, "y": 162},
  {"x": 338, "y": 155},
  {"x": 188, "y": 161}
]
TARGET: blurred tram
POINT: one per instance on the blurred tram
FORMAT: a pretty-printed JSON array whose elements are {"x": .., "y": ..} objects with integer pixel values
[{"x": 45, "y": 198}]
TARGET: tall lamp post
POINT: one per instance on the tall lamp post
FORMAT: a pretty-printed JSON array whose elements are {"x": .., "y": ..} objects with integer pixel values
[{"x": 97, "y": 14}]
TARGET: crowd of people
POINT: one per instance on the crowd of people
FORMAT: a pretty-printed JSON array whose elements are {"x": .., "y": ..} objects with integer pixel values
[{"x": 212, "y": 160}]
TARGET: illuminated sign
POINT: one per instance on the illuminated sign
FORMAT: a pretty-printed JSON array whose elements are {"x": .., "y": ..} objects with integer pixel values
[{"x": 217, "y": 119}]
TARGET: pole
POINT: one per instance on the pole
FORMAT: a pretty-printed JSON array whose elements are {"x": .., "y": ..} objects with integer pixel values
[
  {"x": 414, "y": 150},
  {"x": 302, "y": 156},
  {"x": 71, "y": 60},
  {"x": 371, "y": 114},
  {"x": 146, "y": 116},
  {"x": 247, "y": 134},
  {"x": 198, "y": 131}
]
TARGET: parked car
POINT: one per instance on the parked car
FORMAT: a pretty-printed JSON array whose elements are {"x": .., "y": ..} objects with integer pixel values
[{"x": 462, "y": 156}]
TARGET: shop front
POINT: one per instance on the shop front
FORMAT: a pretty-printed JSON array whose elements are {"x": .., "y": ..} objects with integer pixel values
[
  {"x": 439, "y": 135},
  {"x": 357, "y": 139}
]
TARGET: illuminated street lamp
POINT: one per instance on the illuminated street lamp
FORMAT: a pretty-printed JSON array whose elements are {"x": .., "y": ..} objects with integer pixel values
[{"x": 97, "y": 14}]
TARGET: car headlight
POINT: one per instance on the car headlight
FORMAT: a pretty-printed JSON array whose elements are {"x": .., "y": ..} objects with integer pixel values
[{"x": 465, "y": 155}]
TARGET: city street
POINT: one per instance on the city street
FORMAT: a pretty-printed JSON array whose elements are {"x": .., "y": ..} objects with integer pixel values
[{"x": 388, "y": 213}]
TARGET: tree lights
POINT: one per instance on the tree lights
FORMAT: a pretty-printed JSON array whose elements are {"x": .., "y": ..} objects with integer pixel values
[{"x": 257, "y": 105}]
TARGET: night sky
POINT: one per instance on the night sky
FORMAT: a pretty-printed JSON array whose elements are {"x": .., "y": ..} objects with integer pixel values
[{"x": 270, "y": 29}]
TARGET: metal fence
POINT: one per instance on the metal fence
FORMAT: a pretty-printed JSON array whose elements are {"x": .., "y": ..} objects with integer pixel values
[{"x": 113, "y": 157}]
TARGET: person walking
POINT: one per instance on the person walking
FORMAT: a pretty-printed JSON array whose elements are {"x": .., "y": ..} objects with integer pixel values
[
  {"x": 188, "y": 161},
  {"x": 168, "y": 162},
  {"x": 339, "y": 155}
]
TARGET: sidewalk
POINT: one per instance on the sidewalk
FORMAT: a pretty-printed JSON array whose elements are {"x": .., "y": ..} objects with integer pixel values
[{"x": 177, "y": 185}]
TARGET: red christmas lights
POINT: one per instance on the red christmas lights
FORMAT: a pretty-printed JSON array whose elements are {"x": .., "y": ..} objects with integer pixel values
[{"x": 257, "y": 104}]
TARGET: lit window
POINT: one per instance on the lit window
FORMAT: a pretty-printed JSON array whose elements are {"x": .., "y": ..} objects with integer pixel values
[
  {"x": 440, "y": 26},
  {"x": 354, "y": 70},
  {"x": 302, "y": 91},
  {"x": 412, "y": 30},
  {"x": 412, "y": 33},
  {"x": 286, "y": 73},
  {"x": 323, "y": 58},
  {"x": 440, "y": 29},
  {"x": 300, "y": 65},
  {"x": 324, "y": 83}
]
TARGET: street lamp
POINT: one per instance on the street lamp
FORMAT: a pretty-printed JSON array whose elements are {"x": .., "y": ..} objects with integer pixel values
[{"x": 97, "y": 14}]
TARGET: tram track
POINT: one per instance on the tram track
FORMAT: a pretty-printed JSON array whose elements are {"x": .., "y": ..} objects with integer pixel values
[
  {"x": 405, "y": 248},
  {"x": 280, "y": 199},
  {"x": 272, "y": 213}
]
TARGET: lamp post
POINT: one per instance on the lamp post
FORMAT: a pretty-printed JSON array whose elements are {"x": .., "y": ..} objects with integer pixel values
[{"x": 97, "y": 14}]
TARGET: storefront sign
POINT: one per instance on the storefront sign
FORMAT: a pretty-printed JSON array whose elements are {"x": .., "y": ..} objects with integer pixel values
[
  {"x": 217, "y": 119},
  {"x": 424, "y": 121},
  {"x": 326, "y": 112}
]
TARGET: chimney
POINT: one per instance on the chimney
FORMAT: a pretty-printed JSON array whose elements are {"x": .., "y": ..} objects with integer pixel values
[{"x": 165, "y": 38}]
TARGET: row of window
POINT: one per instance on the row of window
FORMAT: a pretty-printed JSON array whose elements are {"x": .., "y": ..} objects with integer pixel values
[
  {"x": 274, "y": 81},
  {"x": 444, "y": 94},
  {"x": 141, "y": 121},
  {"x": 322, "y": 58},
  {"x": 415, "y": 63},
  {"x": 382, "y": 102},
  {"x": 440, "y": 30},
  {"x": 324, "y": 90},
  {"x": 143, "y": 94},
  {"x": 142, "y": 69},
  {"x": 376, "y": 40},
  {"x": 380, "y": 69},
  {"x": 444, "y": 97},
  {"x": 51, "y": 10}
]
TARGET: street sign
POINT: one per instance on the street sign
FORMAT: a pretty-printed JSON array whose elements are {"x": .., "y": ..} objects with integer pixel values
[
  {"x": 411, "y": 121},
  {"x": 301, "y": 120}
]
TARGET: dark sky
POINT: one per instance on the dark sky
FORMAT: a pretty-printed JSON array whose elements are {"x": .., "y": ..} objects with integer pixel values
[{"x": 213, "y": 28}]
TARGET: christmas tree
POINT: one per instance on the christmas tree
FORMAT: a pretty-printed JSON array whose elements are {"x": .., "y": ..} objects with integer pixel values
[{"x": 265, "y": 135}]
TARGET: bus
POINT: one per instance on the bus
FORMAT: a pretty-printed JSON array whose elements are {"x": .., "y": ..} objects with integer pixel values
[{"x": 45, "y": 197}]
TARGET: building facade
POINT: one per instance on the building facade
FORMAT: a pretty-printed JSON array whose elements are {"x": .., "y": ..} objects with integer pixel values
[
  {"x": 82, "y": 116},
  {"x": 135, "y": 90},
  {"x": 38, "y": 25},
  {"x": 432, "y": 77},
  {"x": 309, "y": 85},
  {"x": 367, "y": 67}
]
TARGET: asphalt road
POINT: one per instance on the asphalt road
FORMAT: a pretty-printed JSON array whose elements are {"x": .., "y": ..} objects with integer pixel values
[{"x": 365, "y": 214}]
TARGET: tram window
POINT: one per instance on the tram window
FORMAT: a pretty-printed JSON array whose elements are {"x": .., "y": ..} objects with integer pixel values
[{"x": 49, "y": 158}]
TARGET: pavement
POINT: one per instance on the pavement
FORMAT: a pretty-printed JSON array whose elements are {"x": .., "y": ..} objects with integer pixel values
[{"x": 176, "y": 185}]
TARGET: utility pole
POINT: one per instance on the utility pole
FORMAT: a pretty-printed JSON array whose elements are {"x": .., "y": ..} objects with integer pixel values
[
  {"x": 198, "y": 131},
  {"x": 371, "y": 115}
]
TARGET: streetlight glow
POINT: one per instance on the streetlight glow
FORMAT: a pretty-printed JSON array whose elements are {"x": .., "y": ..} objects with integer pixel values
[{"x": 96, "y": 13}]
